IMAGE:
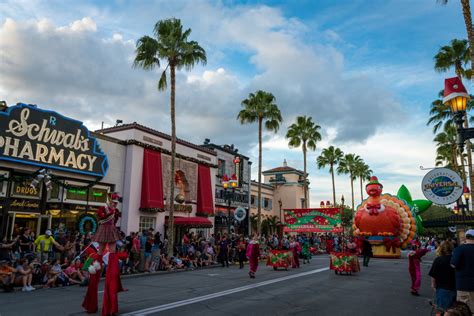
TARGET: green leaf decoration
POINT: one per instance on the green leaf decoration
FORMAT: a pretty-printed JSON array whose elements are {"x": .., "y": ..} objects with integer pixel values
[
  {"x": 422, "y": 205},
  {"x": 419, "y": 226},
  {"x": 404, "y": 194}
]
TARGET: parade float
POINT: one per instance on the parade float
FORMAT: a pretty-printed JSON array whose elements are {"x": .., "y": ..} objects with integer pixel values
[{"x": 389, "y": 222}]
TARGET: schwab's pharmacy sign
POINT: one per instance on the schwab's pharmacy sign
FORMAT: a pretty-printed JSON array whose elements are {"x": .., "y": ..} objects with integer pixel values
[
  {"x": 48, "y": 139},
  {"x": 442, "y": 186}
]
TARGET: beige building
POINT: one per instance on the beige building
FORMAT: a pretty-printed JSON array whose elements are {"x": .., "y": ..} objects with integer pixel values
[{"x": 282, "y": 189}]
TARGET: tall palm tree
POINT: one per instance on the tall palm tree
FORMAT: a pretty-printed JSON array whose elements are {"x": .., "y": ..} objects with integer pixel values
[
  {"x": 330, "y": 157},
  {"x": 454, "y": 55},
  {"x": 466, "y": 11},
  {"x": 457, "y": 56},
  {"x": 170, "y": 45},
  {"x": 304, "y": 133},
  {"x": 347, "y": 165},
  {"x": 260, "y": 107},
  {"x": 363, "y": 172},
  {"x": 440, "y": 113}
]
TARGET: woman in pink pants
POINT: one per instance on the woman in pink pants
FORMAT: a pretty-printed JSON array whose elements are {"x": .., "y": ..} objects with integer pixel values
[
  {"x": 253, "y": 253},
  {"x": 414, "y": 259}
]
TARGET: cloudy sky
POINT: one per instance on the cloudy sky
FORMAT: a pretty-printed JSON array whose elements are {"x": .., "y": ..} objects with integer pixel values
[{"x": 362, "y": 69}]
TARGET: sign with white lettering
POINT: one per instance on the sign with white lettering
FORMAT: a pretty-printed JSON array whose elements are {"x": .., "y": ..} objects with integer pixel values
[{"x": 48, "y": 139}]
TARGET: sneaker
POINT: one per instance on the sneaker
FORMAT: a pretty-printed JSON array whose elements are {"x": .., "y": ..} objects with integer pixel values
[
  {"x": 25, "y": 289},
  {"x": 31, "y": 288}
]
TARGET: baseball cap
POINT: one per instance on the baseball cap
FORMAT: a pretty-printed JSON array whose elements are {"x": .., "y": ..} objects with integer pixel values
[
  {"x": 470, "y": 233},
  {"x": 48, "y": 232}
]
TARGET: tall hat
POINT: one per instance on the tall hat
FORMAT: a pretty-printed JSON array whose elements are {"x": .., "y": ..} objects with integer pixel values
[
  {"x": 115, "y": 197},
  {"x": 374, "y": 180},
  {"x": 453, "y": 88}
]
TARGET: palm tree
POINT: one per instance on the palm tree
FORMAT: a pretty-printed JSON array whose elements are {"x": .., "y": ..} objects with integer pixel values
[
  {"x": 347, "y": 165},
  {"x": 466, "y": 11},
  {"x": 455, "y": 55},
  {"x": 330, "y": 157},
  {"x": 273, "y": 222},
  {"x": 170, "y": 45},
  {"x": 304, "y": 133},
  {"x": 447, "y": 150},
  {"x": 260, "y": 107},
  {"x": 363, "y": 172},
  {"x": 440, "y": 113},
  {"x": 254, "y": 222}
]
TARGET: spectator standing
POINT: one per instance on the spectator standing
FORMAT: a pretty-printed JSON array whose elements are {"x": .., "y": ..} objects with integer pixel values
[
  {"x": 443, "y": 278},
  {"x": 463, "y": 261},
  {"x": 26, "y": 241},
  {"x": 44, "y": 244}
]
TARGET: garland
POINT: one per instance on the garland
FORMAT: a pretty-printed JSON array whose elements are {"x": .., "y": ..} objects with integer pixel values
[
  {"x": 83, "y": 219},
  {"x": 167, "y": 152}
]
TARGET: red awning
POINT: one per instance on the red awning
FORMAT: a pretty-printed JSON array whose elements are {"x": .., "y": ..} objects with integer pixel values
[
  {"x": 191, "y": 222},
  {"x": 152, "y": 182},
  {"x": 205, "y": 202}
]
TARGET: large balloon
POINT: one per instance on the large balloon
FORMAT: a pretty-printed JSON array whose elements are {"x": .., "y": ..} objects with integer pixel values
[{"x": 417, "y": 206}]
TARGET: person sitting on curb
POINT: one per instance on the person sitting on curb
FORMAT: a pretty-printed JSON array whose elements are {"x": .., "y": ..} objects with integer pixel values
[
  {"x": 24, "y": 275},
  {"x": 7, "y": 276}
]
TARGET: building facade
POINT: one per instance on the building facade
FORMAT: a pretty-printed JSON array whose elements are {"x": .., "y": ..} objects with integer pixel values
[
  {"x": 283, "y": 188},
  {"x": 147, "y": 181},
  {"x": 230, "y": 162},
  {"x": 55, "y": 173}
]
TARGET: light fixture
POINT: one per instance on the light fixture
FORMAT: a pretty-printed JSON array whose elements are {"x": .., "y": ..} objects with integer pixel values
[
  {"x": 73, "y": 212},
  {"x": 233, "y": 181},
  {"x": 225, "y": 181},
  {"x": 54, "y": 212}
]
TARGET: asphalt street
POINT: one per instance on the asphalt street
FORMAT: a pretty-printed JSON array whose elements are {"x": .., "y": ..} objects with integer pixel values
[{"x": 380, "y": 289}]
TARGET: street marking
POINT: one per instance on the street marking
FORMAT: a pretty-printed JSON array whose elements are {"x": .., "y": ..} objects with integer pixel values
[
  {"x": 164, "y": 307},
  {"x": 213, "y": 274}
]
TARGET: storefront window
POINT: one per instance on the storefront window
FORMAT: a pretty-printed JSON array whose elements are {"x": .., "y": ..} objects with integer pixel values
[
  {"x": 146, "y": 222},
  {"x": 76, "y": 194},
  {"x": 98, "y": 195}
]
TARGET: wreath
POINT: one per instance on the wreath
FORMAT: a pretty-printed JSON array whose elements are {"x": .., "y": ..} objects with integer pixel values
[{"x": 86, "y": 218}]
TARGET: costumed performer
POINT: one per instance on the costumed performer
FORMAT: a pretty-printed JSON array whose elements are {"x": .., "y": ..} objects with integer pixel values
[
  {"x": 107, "y": 236},
  {"x": 295, "y": 249},
  {"x": 253, "y": 253},
  {"x": 414, "y": 260}
]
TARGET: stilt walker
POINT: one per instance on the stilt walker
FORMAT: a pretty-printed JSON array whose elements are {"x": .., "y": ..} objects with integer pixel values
[
  {"x": 107, "y": 236},
  {"x": 253, "y": 253}
]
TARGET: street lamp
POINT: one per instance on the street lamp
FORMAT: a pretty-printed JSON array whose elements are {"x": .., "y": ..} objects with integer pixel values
[
  {"x": 456, "y": 96},
  {"x": 467, "y": 194},
  {"x": 229, "y": 194}
]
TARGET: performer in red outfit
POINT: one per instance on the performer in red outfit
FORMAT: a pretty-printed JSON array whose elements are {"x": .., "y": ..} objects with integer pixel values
[
  {"x": 414, "y": 259},
  {"x": 107, "y": 236},
  {"x": 253, "y": 253}
]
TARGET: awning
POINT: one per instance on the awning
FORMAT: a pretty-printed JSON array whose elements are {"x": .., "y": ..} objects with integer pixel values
[
  {"x": 191, "y": 222},
  {"x": 152, "y": 182},
  {"x": 205, "y": 202}
]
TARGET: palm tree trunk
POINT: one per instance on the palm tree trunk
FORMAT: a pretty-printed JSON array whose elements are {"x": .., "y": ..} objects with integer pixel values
[
  {"x": 259, "y": 195},
  {"x": 305, "y": 186},
  {"x": 333, "y": 186},
  {"x": 466, "y": 11},
  {"x": 361, "y": 192},
  {"x": 173, "y": 157},
  {"x": 352, "y": 192}
]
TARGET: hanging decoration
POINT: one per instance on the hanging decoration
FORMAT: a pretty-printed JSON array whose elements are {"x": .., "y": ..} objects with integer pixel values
[{"x": 87, "y": 221}]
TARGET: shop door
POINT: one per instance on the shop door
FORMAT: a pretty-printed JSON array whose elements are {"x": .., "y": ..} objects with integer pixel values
[{"x": 44, "y": 223}]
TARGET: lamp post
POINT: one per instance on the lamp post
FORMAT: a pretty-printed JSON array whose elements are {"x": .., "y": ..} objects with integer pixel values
[
  {"x": 229, "y": 194},
  {"x": 467, "y": 194}
]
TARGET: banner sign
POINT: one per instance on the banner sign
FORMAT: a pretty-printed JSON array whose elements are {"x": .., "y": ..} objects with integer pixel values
[
  {"x": 313, "y": 220},
  {"x": 47, "y": 139},
  {"x": 442, "y": 186}
]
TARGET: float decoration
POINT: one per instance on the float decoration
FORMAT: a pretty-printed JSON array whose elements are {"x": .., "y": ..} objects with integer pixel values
[
  {"x": 418, "y": 207},
  {"x": 386, "y": 220}
]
